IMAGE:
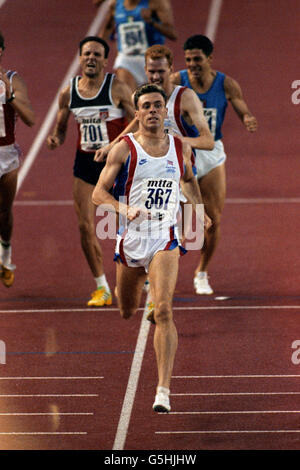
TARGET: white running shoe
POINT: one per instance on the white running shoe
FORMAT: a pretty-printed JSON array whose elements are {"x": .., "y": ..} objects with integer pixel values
[
  {"x": 201, "y": 284},
  {"x": 162, "y": 401}
]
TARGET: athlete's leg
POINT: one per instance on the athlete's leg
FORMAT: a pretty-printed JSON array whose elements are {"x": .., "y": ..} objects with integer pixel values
[
  {"x": 125, "y": 76},
  {"x": 213, "y": 190},
  {"x": 163, "y": 271},
  {"x": 85, "y": 210},
  {"x": 130, "y": 282},
  {"x": 8, "y": 186}
]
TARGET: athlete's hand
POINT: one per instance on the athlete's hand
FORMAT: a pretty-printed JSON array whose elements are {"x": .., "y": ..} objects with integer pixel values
[
  {"x": 133, "y": 213},
  {"x": 250, "y": 123},
  {"x": 52, "y": 142},
  {"x": 101, "y": 154},
  {"x": 207, "y": 221}
]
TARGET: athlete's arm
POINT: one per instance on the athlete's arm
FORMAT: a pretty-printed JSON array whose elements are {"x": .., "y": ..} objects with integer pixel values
[
  {"x": 101, "y": 195},
  {"x": 108, "y": 23},
  {"x": 20, "y": 102},
  {"x": 235, "y": 96},
  {"x": 60, "y": 130},
  {"x": 164, "y": 12},
  {"x": 175, "y": 78},
  {"x": 191, "y": 108},
  {"x": 189, "y": 183}
]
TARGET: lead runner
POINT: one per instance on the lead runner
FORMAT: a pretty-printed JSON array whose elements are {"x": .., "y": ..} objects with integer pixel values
[{"x": 146, "y": 167}]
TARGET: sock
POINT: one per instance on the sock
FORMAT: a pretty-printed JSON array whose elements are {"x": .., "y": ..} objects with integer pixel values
[
  {"x": 102, "y": 282},
  {"x": 5, "y": 252},
  {"x": 163, "y": 390},
  {"x": 201, "y": 275}
]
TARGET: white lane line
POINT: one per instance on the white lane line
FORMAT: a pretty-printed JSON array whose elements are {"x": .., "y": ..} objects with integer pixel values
[
  {"x": 42, "y": 433},
  {"x": 233, "y": 376},
  {"x": 44, "y": 129},
  {"x": 231, "y": 412},
  {"x": 114, "y": 309},
  {"x": 222, "y": 394},
  {"x": 44, "y": 203},
  {"x": 213, "y": 19},
  {"x": 63, "y": 395},
  {"x": 282, "y": 200},
  {"x": 260, "y": 431},
  {"x": 46, "y": 414},
  {"x": 51, "y": 378},
  {"x": 67, "y": 202},
  {"x": 132, "y": 382}
]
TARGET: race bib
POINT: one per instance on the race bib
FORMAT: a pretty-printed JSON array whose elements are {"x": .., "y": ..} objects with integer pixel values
[
  {"x": 93, "y": 135},
  {"x": 133, "y": 38},
  {"x": 211, "y": 118},
  {"x": 160, "y": 198}
]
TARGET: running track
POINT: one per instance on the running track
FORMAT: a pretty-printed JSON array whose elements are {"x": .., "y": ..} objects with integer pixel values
[{"x": 77, "y": 378}]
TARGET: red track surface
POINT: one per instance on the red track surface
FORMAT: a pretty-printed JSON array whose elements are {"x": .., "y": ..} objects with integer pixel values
[{"x": 243, "y": 344}]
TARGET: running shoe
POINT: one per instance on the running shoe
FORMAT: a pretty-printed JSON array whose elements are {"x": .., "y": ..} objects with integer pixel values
[
  {"x": 162, "y": 401},
  {"x": 150, "y": 312},
  {"x": 7, "y": 275},
  {"x": 100, "y": 297},
  {"x": 201, "y": 284}
]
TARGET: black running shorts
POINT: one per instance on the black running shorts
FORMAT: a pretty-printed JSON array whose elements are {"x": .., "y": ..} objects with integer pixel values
[{"x": 86, "y": 168}]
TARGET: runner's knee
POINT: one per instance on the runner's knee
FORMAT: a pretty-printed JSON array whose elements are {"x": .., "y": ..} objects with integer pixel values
[
  {"x": 163, "y": 312},
  {"x": 127, "y": 312}
]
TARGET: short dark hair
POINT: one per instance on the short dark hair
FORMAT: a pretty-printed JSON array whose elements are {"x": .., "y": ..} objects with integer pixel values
[
  {"x": 2, "y": 41},
  {"x": 96, "y": 39},
  {"x": 199, "y": 42},
  {"x": 146, "y": 89}
]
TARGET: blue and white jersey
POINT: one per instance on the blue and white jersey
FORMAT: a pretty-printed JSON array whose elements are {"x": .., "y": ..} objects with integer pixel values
[
  {"x": 152, "y": 183},
  {"x": 214, "y": 102},
  {"x": 134, "y": 35}
]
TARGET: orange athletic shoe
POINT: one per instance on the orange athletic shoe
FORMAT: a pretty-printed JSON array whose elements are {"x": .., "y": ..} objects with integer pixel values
[
  {"x": 150, "y": 312},
  {"x": 100, "y": 297},
  {"x": 7, "y": 276}
]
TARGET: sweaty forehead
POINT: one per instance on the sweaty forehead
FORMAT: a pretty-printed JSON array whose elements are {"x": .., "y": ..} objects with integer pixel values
[
  {"x": 150, "y": 98},
  {"x": 92, "y": 46},
  {"x": 160, "y": 62}
]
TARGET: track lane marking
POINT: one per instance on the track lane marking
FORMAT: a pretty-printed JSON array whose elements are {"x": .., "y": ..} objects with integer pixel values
[
  {"x": 130, "y": 393},
  {"x": 50, "y": 116}
]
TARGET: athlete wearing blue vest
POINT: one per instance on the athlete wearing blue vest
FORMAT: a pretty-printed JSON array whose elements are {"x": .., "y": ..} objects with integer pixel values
[
  {"x": 138, "y": 24},
  {"x": 214, "y": 89}
]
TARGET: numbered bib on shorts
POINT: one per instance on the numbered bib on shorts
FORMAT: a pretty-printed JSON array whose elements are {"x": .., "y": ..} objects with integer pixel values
[
  {"x": 211, "y": 118},
  {"x": 133, "y": 38},
  {"x": 93, "y": 135},
  {"x": 159, "y": 197}
]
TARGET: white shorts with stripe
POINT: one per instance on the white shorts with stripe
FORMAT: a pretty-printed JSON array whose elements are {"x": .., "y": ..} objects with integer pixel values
[
  {"x": 207, "y": 160},
  {"x": 135, "y": 64},
  {"x": 9, "y": 158},
  {"x": 135, "y": 252}
]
